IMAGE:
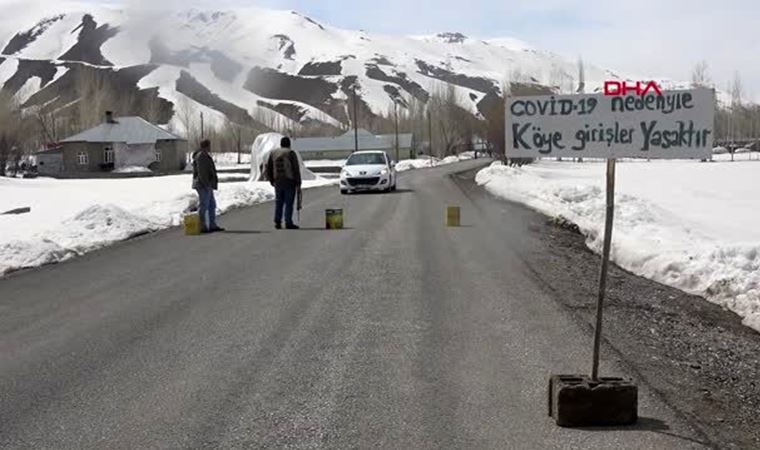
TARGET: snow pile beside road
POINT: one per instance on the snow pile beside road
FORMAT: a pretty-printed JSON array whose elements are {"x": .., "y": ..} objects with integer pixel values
[
  {"x": 325, "y": 163},
  {"x": 230, "y": 159},
  {"x": 414, "y": 164},
  {"x": 427, "y": 162},
  {"x": 73, "y": 217},
  {"x": 132, "y": 169},
  {"x": 262, "y": 147},
  {"x": 689, "y": 225}
]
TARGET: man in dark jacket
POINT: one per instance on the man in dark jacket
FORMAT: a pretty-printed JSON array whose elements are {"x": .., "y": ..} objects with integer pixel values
[
  {"x": 206, "y": 182},
  {"x": 284, "y": 173}
]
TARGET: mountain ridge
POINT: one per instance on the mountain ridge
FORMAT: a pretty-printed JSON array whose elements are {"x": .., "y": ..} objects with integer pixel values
[{"x": 254, "y": 65}]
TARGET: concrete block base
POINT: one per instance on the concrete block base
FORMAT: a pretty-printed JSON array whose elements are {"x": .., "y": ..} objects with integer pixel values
[{"x": 578, "y": 401}]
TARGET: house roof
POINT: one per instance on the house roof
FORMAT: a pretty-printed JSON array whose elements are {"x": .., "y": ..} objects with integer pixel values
[
  {"x": 345, "y": 142},
  {"x": 131, "y": 130},
  {"x": 50, "y": 151}
]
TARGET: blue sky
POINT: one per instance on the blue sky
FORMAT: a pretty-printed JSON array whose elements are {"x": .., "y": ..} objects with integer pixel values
[{"x": 646, "y": 37}]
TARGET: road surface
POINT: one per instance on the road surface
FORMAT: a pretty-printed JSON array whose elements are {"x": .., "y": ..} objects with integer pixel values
[{"x": 394, "y": 333}]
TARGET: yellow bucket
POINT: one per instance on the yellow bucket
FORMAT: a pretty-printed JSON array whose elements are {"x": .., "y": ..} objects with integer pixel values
[
  {"x": 453, "y": 216},
  {"x": 192, "y": 224},
  {"x": 334, "y": 219}
]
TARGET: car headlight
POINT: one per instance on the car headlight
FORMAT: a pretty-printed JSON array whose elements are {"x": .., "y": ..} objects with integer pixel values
[
  {"x": 344, "y": 174},
  {"x": 384, "y": 172}
]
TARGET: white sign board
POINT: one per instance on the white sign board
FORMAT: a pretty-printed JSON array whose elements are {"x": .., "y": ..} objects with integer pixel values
[{"x": 674, "y": 125}]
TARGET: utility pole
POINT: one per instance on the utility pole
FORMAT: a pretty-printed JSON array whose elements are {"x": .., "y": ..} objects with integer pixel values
[
  {"x": 356, "y": 127},
  {"x": 430, "y": 136},
  {"x": 203, "y": 135},
  {"x": 239, "y": 132},
  {"x": 395, "y": 104}
]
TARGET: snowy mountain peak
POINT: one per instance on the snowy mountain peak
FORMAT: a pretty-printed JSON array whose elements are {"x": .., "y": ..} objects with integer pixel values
[
  {"x": 250, "y": 62},
  {"x": 452, "y": 38}
]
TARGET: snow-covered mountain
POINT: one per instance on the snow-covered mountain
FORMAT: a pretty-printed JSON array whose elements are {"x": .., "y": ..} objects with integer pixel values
[{"x": 240, "y": 62}]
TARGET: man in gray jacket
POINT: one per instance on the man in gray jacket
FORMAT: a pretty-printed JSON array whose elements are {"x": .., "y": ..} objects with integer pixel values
[
  {"x": 284, "y": 173},
  {"x": 205, "y": 181}
]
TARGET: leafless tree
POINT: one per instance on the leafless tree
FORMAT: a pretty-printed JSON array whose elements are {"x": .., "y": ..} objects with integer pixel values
[
  {"x": 581, "y": 77},
  {"x": 516, "y": 75},
  {"x": 700, "y": 75},
  {"x": 736, "y": 90},
  {"x": 560, "y": 80},
  {"x": 16, "y": 132},
  {"x": 189, "y": 119},
  {"x": 450, "y": 120},
  {"x": 95, "y": 96}
]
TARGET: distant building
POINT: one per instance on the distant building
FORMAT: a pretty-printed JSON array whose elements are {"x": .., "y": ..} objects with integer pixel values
[
  {"x": 341, "y": 147},
  {"x": 49, "y": 161},
  {"x": 123, "y": 142}
]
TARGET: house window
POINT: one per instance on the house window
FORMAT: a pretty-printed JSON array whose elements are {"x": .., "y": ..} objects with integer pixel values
[
  {"x": 83, "y": 158},
  {"x": 158, "y": 155},
  {"x": 108, "y": 155}
]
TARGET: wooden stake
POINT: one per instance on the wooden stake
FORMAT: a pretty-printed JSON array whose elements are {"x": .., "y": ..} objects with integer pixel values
[{"x": 609, "y": 220}]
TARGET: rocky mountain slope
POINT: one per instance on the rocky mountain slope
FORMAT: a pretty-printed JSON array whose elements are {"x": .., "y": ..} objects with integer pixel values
[{"x": 255, "y": 65}]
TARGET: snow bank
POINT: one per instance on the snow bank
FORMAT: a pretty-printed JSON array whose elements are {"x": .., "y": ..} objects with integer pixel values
[
  {"x": 230, "y": 159},
  {"x": 689, "y": 225},
  {"x": 260, "y": 150},
  {"x": 424, "y": 161},
  {"x": 325, "y": 163},
  {"x": 73, "y": 217},
  {"x": 414, "y": 164},
  {"x": 132, "y": 169}
]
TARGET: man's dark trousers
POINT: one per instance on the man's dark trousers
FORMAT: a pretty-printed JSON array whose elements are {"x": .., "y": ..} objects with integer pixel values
[{"x": 285, "y": 198}]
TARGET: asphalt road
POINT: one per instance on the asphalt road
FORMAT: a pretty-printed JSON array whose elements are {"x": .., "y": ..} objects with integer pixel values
[{"x": 394, "y": 333}]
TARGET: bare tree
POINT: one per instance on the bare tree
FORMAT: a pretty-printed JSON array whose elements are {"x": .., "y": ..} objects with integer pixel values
[
  {"x": 581, "y": 77},
  {"x": 188, "y": 117},
  {"x": 516, "y": 75},
  {"x": 150, "y": 107},
  {"x": 556, "y": 77},
  {"x": 736, "y": 91},
  {"x": 560, "y": 80},
  {"x": 581, "y": 84},
  {"x": 450, "y": 118},
  {"x": 94, "y": 96},
  {"x": 700, "y": 75},
  {"x": 16, "y": 132}
]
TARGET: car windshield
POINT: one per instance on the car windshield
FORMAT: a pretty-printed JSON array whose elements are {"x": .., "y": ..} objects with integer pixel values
[{"x": 361, "y": 159}]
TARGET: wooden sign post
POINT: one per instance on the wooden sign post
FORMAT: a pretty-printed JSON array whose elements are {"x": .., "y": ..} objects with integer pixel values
[
  {"x": 671, "y": 125},
  {"x": 608, "y": 224}
]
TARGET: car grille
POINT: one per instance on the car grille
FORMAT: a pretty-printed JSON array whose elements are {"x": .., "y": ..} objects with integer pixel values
[{"x": 363, "y": 181}]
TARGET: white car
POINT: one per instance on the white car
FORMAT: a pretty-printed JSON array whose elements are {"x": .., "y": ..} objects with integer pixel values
[{"x": 368, "y": 171}]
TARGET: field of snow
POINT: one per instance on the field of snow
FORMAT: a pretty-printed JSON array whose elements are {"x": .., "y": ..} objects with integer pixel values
[
  {"x": 73, "y": 217},
  {"x": 690, "y": 225},
  {"x": 230, "y": 159}
]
